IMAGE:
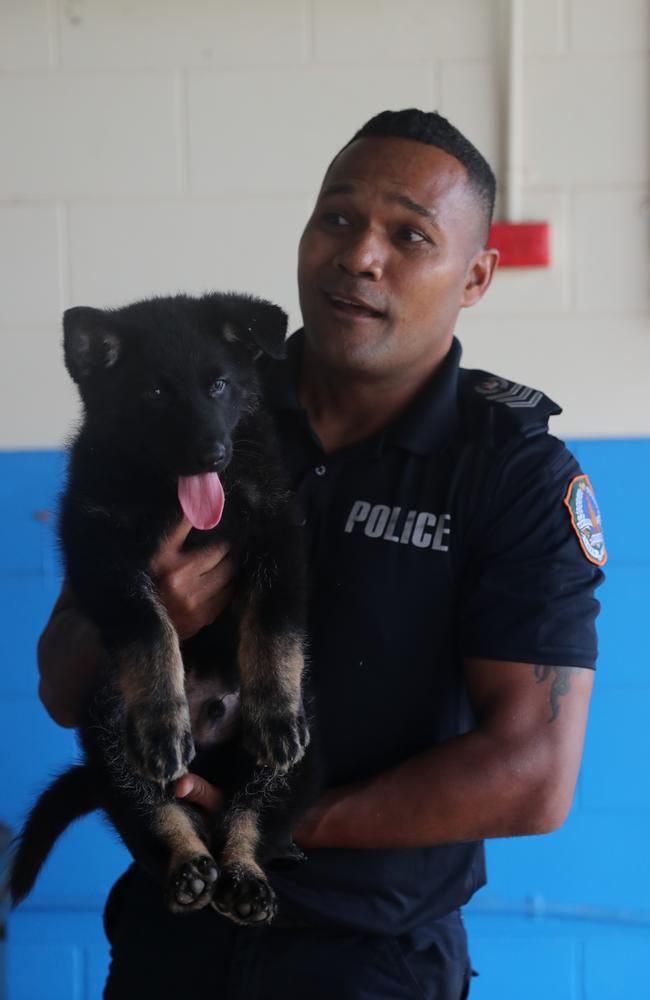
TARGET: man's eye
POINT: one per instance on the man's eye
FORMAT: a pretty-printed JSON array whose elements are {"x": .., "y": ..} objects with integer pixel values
[
  {"x": 334, "y": 219},
  {"x": 218, "y": 386},
  {"x": 410, "y": 235}
]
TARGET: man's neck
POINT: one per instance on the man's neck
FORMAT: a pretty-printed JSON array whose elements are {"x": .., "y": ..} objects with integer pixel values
[{"x": 345, "y": 408}]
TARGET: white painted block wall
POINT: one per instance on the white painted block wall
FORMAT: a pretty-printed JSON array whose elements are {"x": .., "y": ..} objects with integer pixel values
[{"x": 153, "y": 146}]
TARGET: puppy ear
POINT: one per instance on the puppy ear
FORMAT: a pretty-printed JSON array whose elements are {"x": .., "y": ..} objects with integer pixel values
[
  {"x": 260, "y": 325},
  {"x": 89, "y": 344}
]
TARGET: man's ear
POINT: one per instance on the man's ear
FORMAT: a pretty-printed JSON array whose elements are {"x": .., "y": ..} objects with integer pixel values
[
  {"x": 259, "y": 325},
  {"x": 479, "y": 275},
  {"x": 89, "y": 343}
]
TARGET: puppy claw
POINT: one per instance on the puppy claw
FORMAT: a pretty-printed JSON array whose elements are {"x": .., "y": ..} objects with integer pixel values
[
  {"x": 159, "y": 741},
  {"x": 278, "y": 741}
]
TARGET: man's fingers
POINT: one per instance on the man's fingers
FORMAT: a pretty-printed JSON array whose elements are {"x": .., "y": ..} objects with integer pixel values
[
  {"x": 171, "y": 559},
  {"x": 171, "y": 546},
  {"x": 201, "y": 793}
]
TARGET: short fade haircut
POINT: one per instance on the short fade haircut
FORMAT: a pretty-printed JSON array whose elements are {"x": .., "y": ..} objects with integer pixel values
[{"x": 432, "y": 129}]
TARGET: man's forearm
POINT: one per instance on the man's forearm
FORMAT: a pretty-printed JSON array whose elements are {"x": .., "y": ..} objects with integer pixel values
[
  {"x": 70, "y": 657},
  {"x": 471, "y": 787}
]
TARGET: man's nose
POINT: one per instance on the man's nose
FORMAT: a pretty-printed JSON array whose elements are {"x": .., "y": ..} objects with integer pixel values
[{"x": 362, "y": 255}]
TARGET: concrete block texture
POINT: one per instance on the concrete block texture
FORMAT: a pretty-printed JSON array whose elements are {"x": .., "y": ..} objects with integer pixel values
[
  {"x": 38, "y": 399},
  {"x": 30, "y": 237},
  {"x": 74, "y": 135},
  {"x": 287, "y": 126},
  {"x": 26, "y": 35},
  {"x": 187, "y": 246},
  {"x": 149, "y": 146},
  {"x": 601, "y": 26},
  {"x": 419, "y": 29},
  {"x": 612, "y": 241},
  {"x": 587, "y": 120},
  {"x": 163, "y": 33}
]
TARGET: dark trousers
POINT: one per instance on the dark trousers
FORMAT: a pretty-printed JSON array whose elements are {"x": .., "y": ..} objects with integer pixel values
[{"x": 156, "y": 954}]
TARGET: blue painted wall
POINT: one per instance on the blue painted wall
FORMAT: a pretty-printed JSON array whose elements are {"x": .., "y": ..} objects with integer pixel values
[{"x": 565, "y": 916}]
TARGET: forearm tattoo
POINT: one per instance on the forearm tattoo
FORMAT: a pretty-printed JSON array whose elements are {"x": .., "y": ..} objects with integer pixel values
[{"x": 560, "y": 684}]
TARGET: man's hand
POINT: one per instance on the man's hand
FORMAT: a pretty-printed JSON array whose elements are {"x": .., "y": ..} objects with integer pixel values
[
  {"x": 514, "y": 774},
  {"x": 200, "y": 793},
  {"x": 194, "y": 586}
]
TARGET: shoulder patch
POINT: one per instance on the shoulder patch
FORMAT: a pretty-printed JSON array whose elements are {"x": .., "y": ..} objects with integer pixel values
[
  {"x": 580, "y": 501},
  {"x": 512, "y": 394},
  {"x": 510, "y": 407}
]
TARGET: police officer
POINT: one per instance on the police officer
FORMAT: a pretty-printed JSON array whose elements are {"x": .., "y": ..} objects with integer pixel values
[{"x": 454, "y": 548}]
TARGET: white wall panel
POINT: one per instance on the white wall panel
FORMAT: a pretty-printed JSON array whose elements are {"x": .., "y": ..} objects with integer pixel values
[
  {"x": 587, "y": 120},
  {"x": 29, "y": 263},
  {"x": 38, "y": 398},
  {"x": 150, "y": 146},
  {"x": 121, "y": 252},
  {"x": 74, "y": 135},
  {"x": 25, "y": 38},
  {"x": 287, "y": 125},
  {"x": 416, "y": 29},
  {"x": 603, "y": 26},
  {"x": 163, "y": 33},
  {"x": 612, "y": 246},
  {"x": 545, "y": 26}
]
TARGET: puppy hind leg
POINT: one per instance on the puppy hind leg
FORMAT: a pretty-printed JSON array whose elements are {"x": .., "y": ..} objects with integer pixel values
[
  {"x": 191, "y": 872},
  {"x": 243, "y": 891}
]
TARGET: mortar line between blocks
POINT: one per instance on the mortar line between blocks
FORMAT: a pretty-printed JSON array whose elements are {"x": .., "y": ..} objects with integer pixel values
[
  {"x": 181, "y": 123},
  {"x": 308, "y": 40},
  {"x": 53, "y": 34},
  {"x": 65, "y": 256}
]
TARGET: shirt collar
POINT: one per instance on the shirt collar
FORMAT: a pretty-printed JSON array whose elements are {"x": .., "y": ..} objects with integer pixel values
[{"x": 420, "y": 428}]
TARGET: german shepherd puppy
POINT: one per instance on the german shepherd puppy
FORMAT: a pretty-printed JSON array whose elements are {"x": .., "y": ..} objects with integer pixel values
[{"x": 173, "y": 422}]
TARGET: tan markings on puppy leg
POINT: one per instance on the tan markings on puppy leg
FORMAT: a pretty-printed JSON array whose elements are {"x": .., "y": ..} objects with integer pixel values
[
  {"x": 154, "y": 670},
  {"x": 243, "y": 891},
  {"x": 177, "y": 831},
  {"x": 242, "y": 839},
  {"x": 158, "y": 729},
  {"x": 192, "y": 872},
  {"x": 274, "y": 725},
  {"x": 271, "y": 666}
]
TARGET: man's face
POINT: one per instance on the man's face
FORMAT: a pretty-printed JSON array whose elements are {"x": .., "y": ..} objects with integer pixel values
[{"x": 390, "y": 255}]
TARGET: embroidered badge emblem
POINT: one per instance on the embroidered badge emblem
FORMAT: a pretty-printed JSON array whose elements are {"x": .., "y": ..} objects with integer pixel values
[
  {"x": 582, "y": 505},
  {"x": 512, "y": 394}
]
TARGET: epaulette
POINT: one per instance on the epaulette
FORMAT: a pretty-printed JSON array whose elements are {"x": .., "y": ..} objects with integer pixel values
[{"x": 502, "y": 407}]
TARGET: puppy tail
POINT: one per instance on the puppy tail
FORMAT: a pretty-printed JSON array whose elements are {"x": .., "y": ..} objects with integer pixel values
[{"x": 68, "y": 798}]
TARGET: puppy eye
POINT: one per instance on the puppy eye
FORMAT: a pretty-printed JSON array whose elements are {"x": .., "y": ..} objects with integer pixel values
[
  {"x": 154, "y": 392},
  {"x": 218, "y": 386}
]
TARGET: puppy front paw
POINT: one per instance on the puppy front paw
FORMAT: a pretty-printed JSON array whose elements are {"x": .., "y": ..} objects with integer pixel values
[
  {"x": 159, "y": 740},
  {"x": 275, "y": 739}
]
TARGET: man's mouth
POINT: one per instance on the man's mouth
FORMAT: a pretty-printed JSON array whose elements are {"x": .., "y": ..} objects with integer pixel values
[{"x": 353, "y": 307}]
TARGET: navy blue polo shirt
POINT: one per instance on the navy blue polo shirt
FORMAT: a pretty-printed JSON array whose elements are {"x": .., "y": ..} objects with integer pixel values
[{"x": 449, "y": 534}]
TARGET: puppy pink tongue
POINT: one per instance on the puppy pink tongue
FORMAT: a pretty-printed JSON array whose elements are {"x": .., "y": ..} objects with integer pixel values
[{"x": 202, "y": 499}]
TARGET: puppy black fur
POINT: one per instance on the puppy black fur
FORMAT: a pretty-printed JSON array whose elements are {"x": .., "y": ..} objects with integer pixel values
[{"x": 170, "y": 388}]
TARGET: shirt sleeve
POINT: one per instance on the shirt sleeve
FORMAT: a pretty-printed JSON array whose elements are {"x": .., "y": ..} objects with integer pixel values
[{"x": 528, "y": 591}]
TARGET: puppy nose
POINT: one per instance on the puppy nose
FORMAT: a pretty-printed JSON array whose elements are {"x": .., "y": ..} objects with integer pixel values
[{"x": 213, "y": 456}]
